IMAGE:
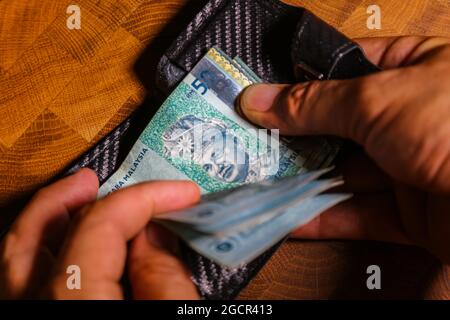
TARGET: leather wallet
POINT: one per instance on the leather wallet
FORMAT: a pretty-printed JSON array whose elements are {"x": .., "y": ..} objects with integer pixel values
[{"x": 282, "y": 44}]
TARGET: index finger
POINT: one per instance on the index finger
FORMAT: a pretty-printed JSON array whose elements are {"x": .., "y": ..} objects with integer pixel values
[
  {"x": 39, "y": 229},
  {"x": 98, "y": 244},
  {"x": 51, "y": 207}
]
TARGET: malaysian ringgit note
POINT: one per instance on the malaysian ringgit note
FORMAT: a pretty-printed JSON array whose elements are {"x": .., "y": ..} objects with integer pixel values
[
  {"x": 241, "y": 245},
  {"x": 197, "y": 135}
]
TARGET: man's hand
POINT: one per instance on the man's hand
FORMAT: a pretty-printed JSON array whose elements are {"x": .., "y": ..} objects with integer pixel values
[
  {"x": 401, "y": 117},
  {"x": 63, "y": 225}
]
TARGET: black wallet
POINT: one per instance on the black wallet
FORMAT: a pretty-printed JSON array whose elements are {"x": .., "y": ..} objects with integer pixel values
[{"x": 280, "y": 43}]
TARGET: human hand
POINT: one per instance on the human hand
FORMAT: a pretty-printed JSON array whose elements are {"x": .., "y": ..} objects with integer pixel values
[
  {"x": 63, "y": 225},
  {"x": 401, "y": 117}
]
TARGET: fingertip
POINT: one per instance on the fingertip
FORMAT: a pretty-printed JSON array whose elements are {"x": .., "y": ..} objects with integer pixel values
[
  {"x": 86, "y": 182},
  {"x": 193, "y": 190},
  {"x": 185, "y": 189},
  {"x": 89, "y": 177},
  {"x": 259, "y": 97},
  {"x": 178, "y": 194}
]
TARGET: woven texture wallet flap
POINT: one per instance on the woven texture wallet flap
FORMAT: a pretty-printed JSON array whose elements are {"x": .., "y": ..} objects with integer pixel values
[{"x": 260, "y": 32}]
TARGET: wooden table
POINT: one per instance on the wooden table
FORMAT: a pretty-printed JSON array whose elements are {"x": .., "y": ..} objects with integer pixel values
[{"x": 62, "y": 90}]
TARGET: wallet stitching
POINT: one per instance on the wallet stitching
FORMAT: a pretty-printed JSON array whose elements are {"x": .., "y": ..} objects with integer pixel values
[
  {"x": 341, "y": 52},
  {"x": 341, "y": 48}
]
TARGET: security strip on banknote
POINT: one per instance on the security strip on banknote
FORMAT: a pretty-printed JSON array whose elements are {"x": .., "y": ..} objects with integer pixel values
[{"x": 257, "y": 186}]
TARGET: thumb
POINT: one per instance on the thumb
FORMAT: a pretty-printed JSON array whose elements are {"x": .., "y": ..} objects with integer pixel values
[
  {"x": 331, "y": 107},
  {"x": 155, "y": 273},
  {"x": 345, "y": 108}
]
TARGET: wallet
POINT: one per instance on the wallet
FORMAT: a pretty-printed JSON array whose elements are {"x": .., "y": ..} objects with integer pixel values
[{"x": 281, "y": 44}]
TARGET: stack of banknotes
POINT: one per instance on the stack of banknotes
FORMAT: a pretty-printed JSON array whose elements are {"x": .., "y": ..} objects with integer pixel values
[
  {"x": 234, "y": 227},
  {"x": 257, "y": 186}
]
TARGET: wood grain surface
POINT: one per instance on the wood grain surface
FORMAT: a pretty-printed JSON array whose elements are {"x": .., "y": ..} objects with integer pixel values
[{"x": 62, "y": 90}]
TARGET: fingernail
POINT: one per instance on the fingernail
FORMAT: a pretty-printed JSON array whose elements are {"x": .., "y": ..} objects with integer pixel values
[{"x": 259, "y": 97}]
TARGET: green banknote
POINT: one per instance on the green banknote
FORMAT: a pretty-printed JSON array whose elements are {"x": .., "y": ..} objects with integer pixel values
[{"x": 197, "y": 135}]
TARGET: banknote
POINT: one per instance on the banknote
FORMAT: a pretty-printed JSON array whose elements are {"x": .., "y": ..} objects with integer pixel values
[
  {"x": 252, "y": 215},
  {"x": 232, "y": 207},
  {"x": 236, "y": 247},
  {"x": 197, "y": 135}
]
